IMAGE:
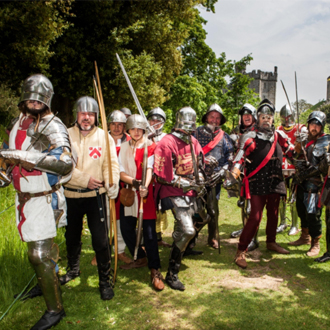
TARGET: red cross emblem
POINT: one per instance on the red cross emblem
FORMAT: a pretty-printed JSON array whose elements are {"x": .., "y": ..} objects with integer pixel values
[{"x": 95, "y": 152}]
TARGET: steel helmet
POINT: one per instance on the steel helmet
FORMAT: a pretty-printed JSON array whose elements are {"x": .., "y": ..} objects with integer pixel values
[{"x": 37, "y": 88}]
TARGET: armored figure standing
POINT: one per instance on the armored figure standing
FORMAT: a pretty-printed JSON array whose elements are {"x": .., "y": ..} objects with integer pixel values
[
  {"x": 217, "y": 144},
  {"x": 157, "y": 118},
  {"x": 247, "y": 120},
  {"x": 86, "y": 193},
  {"x": 38, "y": 162},
  {"x": 291, "y": 129},
  {"x": 261, "y": 151},
  {"x": 117, "y": 126},
  {"x": 135, "y": 166},
  {"x": 310, "y": 169},
  {"x": 177, "y": 174}
]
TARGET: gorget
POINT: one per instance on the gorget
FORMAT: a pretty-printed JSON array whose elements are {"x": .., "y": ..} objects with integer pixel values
[
  {"x": 182, "y": 136},
  {"x": 266, "y": 134}
]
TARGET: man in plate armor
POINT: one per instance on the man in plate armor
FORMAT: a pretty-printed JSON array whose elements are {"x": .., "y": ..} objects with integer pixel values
[
  {"x": 178, "y": 184},
  {"x": 291, "y": 129},
  {"x": 217, "y": 144},
  {"x": 85, "y": 193},
  {"x": 38, "y": 162},
  {"x": 156, "y": 118},
  {"x": 310, "y": 169},
  {"x": 261, "y": 151}
]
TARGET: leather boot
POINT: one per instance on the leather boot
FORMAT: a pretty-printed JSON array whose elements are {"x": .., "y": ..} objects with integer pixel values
[
  {"x": 190, "y": 252},
  {"x": 172, "y": 278},
  {"x": 105, "y": 286},
  {"x": 48, "y": 320},
  {"x": 139, "y": 263},
  {"x": 277, "y": 248},
  {"x": 303, "y": 239},
  {"x": 125, "y": 258},
  {"x": 324, "y": 258},
  {"x": 105, "y": 280},
  {"x": 240, "y": 259},
  {"x": 315, "y": 247},
  {"x": 157, "y": 280},
  {"x": 73, "y": 268}
]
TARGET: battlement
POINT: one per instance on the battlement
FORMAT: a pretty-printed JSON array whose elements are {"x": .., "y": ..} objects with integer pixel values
[
  {"x": 261, "y": 75},
  {"x": 264, "y": 84}
]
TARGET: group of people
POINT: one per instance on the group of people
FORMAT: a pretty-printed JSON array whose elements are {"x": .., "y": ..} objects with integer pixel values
[{"x": 61, "y": 175}]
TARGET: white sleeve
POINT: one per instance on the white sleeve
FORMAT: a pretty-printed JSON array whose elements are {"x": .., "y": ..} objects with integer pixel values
[
  {"x": 121, "y": 167},
  {"x": 151, "y": 161}
]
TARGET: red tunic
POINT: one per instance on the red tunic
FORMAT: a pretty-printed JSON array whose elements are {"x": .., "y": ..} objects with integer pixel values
[
  {"x": 286, "y": 166},
  {"x": 117, "y": 203},
  {"x": 149, "y": 208},
  {"x": 163, "y": 168}
]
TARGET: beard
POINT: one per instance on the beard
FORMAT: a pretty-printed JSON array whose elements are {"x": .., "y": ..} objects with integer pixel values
[
  {"x": 88, "y": 128},
  {"x": 34, "y": 112}
]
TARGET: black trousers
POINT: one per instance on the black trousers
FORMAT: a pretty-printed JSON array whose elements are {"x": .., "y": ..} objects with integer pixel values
[
  {"x": 311, "y": 221},
  {"x": 77, "y": 208},
  {"x": 128, "y": 231}
]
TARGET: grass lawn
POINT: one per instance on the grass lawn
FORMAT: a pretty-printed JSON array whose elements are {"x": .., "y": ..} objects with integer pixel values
[{"x": 274, "y": 292}]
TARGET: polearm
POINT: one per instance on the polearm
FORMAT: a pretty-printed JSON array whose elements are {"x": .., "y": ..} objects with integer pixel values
[
  {"x": 136, "y": 100},
  {"x": 112, "y": 215},
  {"x": 295, "y": 80},
  {"x": 287, "y": 97},
  {"x": 144, "y": 178},
  {"x": 145, "y": 155}
]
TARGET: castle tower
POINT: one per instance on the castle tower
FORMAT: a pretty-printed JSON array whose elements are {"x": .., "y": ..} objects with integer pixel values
[
  {"x": 264, "y": 84},
  {"x": 328, "y": 88}
]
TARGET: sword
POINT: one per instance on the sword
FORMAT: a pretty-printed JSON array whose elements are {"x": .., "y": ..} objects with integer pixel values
[{"x": 136, "y": 100}]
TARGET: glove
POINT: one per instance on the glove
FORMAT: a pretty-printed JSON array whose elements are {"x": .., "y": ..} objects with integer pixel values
[
  {"x": 136, "y": 184},
  {"x": 112, "y": 191},
  {"x": 216, "y": 178},
  {"x": 143, "y": 191},
  {"x": 301, "y": 137}
]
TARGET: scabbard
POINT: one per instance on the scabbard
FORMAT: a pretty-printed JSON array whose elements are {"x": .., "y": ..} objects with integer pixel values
[
  {"x": 139, "y": 230},
  {"x": 100, "y": 205}
]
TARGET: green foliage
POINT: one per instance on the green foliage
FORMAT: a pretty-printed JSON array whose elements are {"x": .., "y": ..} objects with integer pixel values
[
  {"x": 27, "y": 29},
  {"x": 8, "y": 105},
  {"x": 218, "y": 294},
  {"x": 147, "y": 36},
  {"x": 204, "y": 80}
]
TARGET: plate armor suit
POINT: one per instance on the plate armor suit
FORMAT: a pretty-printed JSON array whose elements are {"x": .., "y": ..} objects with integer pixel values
[
  {"x": 39, "y": 161},
  {"x": 218, "y": 150},
  {"x": 310, "y": 172},
  {"x": 291, "y": 129},
  {"x": 176, "y": 187}
]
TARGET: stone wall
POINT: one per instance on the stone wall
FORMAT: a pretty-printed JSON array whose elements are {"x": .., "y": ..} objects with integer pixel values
[{"x": 264, "y": 84}]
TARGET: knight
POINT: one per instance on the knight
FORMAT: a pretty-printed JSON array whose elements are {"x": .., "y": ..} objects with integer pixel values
[{"x": 38, "y": 162}]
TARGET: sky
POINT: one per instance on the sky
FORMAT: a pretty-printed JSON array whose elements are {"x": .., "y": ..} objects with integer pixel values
[{"x": 293, "y": 35}]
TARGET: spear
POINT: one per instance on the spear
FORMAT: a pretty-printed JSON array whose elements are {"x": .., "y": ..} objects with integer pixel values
[{"x": 112, "y": 214}]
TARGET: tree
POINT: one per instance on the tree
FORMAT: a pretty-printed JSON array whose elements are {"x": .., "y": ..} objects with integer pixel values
[
  {"x": 27, "y": 30},
  {"x": 303, "y": 106},
  {"x": 204, "y": 80},
  {"x": 146, "y": 34}
]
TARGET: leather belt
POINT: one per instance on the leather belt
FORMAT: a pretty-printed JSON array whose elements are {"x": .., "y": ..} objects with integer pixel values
[
  {"x": 24, "y": 197},
  {"x": 78, "y": 190}
]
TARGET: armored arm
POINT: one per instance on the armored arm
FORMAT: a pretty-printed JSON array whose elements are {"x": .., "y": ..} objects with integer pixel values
[
  {"x": 185, "y": 183},
  {"x": 39, "y": 161}
]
